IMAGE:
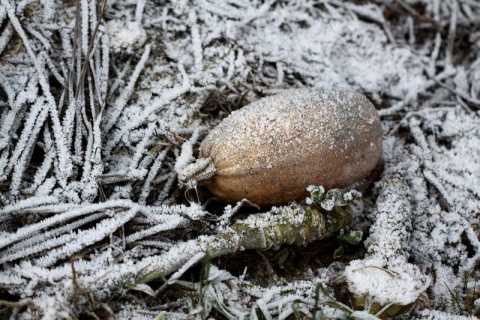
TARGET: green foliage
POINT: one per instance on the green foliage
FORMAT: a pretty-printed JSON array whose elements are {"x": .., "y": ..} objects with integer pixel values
[
  {"x": 141, "y": 279},
  {"x": 466, "y": 303},
  {"x": 352, "y": 237},
  {"x": 332, "y": 198}
]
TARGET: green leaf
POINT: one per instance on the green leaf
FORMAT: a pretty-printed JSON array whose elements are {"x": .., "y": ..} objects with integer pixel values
[
  {"x": 145, "y": 278},
  {"x": 317, "y": 194},
  {"x": 161, "y": 316},
  {"x": 339, "y": 252},
  {"x": 352, "y": 237},
  {"x": 144, "y": 288},
  {"x": 218, "y": 304},
  {"x": 338, "y": 305},
  {"x": 332, "y": 198}
]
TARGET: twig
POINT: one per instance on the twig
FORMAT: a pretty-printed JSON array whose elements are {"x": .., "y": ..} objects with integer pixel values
[
  {"x": 122, "y": 100},
  {"x": 89, "y": 50},
  {"x": 20, "y": 304},
  {"x": 417, "y": 16},
  {"x": 451, "y": 33},
  {"x": 458, "y": 93}
]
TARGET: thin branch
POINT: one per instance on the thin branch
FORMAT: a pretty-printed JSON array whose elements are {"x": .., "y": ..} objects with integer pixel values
[{"x": 89, "y": 50}]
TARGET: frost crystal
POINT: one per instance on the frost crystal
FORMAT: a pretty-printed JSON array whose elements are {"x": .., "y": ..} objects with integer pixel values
[{"x": 125, "y": 36}]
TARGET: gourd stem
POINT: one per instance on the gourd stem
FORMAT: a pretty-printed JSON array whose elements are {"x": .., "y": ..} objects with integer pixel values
[{"x": 297, "y": 225}]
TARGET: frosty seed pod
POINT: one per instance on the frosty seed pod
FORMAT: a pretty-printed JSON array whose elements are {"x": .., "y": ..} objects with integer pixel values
[{"x": 271, "y": 150}]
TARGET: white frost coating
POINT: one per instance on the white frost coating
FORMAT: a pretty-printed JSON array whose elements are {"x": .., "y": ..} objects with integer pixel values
[
  {"x": 168, "y": 223},
  {"x": 64, "y": 156},
  {"x": 368, "y": 278},
  {"x": 24, "y": 232},
  {"x": 190, "y": 171},
  {"x": 47, "y": 240},
  {"x": 27, "y": 203},
  {"x": 121, "y": 101},
  {"x": 83, "y": 238},
  {"x": 196, "y": 41},
  {"x": 440, "y": 315},
  {"x": 152, "y": 174},
  {"x": 139, "y": 11},
  {"x": 185, "y": 158},
  {"x": 125, "y": 36},
  {"x": 389, "y": 235}
]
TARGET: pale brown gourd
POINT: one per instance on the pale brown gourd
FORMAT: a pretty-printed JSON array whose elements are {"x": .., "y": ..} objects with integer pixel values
[{"x": 271, "y": 150}]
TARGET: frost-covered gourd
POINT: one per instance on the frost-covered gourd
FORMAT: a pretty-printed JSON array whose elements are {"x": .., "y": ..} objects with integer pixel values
[{"x": 271, "y": 150}]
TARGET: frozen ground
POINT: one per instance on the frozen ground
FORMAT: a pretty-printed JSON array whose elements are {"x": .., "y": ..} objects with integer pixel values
[{"x": 92, "y": 215}]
